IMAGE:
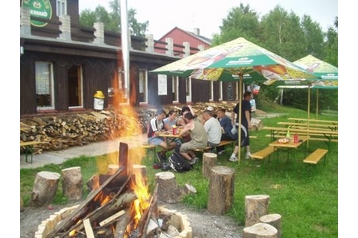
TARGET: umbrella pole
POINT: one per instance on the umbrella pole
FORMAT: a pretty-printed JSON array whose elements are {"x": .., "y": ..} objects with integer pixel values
[
  {"x": 317, "y": 103},
  {"x": 308, "y": 109},
  {"x": 239, "y": 115}
]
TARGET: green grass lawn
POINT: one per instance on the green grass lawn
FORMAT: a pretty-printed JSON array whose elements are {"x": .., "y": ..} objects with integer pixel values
[{"x": 305, "y": 196}]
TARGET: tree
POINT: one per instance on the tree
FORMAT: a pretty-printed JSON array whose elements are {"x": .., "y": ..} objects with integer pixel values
[
  {"x": 331, "y": 46},
  {"x": 112, "y": 20},
  {"x": 241, "y": 21},
  {"x": 282, "y": 33},
  {"x": 313, "y": 38}
]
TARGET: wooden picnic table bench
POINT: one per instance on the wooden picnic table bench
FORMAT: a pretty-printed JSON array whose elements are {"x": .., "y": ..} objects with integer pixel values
[
  {"x": 29, "y": 148},
  {"x": 312, "y": 120},
  {"x": 316, "y": 156},
  {"x": 302, "y": 125}
]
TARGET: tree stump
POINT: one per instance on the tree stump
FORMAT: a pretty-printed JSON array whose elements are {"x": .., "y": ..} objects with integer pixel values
[
  {"x": 273, "y": 220},
  {"x": 45, "y": 187},
  {"x": 209, "y": 161},
  {"x": 260, "y": 230},
  {"x": 72, "y": 183},
  {"x": 255, "y": 207},
  {"x": 140, "y": 172},
  {"x": 221, "y": 189},
  {"x": 112, "y": 168},
  {"x": 168, "y": 189},
  {"x": 256, "y": 124}
]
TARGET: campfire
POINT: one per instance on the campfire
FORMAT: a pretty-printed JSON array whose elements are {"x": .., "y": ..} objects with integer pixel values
[{"x": 119, "y": 205}]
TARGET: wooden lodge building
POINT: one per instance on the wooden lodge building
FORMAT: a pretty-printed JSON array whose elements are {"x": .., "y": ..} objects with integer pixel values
[{"x": 63, "y": 65}]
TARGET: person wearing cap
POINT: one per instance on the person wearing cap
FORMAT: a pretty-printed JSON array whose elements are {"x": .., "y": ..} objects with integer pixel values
[
  {"x": 155, "y": 126},
  {"x": 211, "y": 109}
]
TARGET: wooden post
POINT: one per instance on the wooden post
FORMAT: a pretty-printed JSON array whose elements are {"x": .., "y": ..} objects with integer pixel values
[
  {"x": 45, "y": 187},
  {"x": 209, "y": 160},
  {"x": 255, "y": 207},
  {"x": 221, "y": 189},
  {"x": 273, "y": 220},
  {"x": 260, "y": 230},
  {"x": 72, "y": 184}
]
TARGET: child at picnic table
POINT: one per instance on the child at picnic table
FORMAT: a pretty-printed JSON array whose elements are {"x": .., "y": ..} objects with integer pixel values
[{"x": 155, "y": 126}]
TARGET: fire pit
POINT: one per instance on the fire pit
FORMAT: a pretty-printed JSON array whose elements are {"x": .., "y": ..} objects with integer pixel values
[
  {"x": 179, "y": 226},
  {"x": 119, "y": 205}
]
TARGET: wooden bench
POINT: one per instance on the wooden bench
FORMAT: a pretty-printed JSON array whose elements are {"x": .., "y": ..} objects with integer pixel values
[
  {"x": 222, "y": 143},
  {"x": 29, "y": 148},
  {"x": 150, "y": 147},
  {"x": 261, "y": 154},
  {"x": 315, "y": 157}
]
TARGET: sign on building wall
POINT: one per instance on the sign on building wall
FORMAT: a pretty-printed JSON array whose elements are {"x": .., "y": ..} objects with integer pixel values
[
  {"x": 38, "y": 8},
  {"x": 162, "y": 84}
]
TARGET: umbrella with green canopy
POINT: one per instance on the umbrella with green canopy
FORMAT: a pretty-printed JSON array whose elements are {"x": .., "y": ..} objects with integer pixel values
[
  {"x": 237, "y": 60},
  {"x": 327, "y": 75}
]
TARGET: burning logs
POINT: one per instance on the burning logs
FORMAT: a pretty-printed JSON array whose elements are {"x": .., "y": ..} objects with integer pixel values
[
  {"x": 255, "y": 207},
  {"x": 44, "y": 189},
  {"x": 221, "y": 189},
  {"x": 72, "y": 183}
]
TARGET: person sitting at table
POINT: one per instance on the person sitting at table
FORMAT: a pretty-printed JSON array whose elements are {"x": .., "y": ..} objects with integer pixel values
[
  {"x": 169, "y": 122},
  {"x": 181, "y": 121},
  {"x": 198, "y": 135},
  {"x": 213, "y": 129},
  {"x": 227, "y": 129},
  {"x": 155, "y": 126}
]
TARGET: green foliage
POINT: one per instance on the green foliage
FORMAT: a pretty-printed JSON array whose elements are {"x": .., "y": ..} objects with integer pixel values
[{"x": 112, "y": 20}]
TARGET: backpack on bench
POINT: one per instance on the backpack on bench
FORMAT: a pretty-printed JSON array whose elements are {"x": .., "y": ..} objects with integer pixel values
[{"x": 178, "y": 163}]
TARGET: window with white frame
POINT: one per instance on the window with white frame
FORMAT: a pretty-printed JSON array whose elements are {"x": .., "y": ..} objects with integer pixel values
[
  {"x": 61, "y": 7},
  {"x": 44, "y": 85},
  {"x": 143, "y": 86}
]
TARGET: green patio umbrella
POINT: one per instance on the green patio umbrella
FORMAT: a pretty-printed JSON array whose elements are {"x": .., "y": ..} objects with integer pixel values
[
  {"x": 237, "y": 60},
  {"x": 327, "y": 76}
]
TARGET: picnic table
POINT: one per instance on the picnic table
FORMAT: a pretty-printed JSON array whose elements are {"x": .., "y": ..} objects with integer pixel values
[
  {"x": 317, "y": 134},
  {"x": 300, "y": 120},
  {"x": 290, "y": 146}
]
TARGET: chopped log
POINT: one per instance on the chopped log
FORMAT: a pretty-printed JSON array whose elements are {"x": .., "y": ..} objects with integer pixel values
[
  {"x": 121, "y": 225},
  {"x": 260, "y": 230},
  {"x": 168, "y": 189},
  {"x": 209, "y": 161},
  {"x": 80, "y": 212},
  {"x": 255, "y": 207},
  {"x": 45, "y": 187},
  {"x": 221, "y": 189},
  {"x": 112, "y": 168},
  {"x": 111, "y": 218},
  {"x": 256, "y": 124},
  {"x": 273, "y": 220},
  {"x": 72, "y": 183},
  {"x": 88, "y": 228}
]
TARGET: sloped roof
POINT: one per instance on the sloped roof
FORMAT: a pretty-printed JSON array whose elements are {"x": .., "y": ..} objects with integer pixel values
[{"x": 192, "y": 34}]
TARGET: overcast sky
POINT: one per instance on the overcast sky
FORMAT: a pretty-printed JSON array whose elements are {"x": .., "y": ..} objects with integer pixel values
[{"x": 164, "y": 15}]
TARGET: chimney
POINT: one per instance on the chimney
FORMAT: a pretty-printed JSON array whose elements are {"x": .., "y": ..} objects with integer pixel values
[{"x": 197, "y": 31}]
